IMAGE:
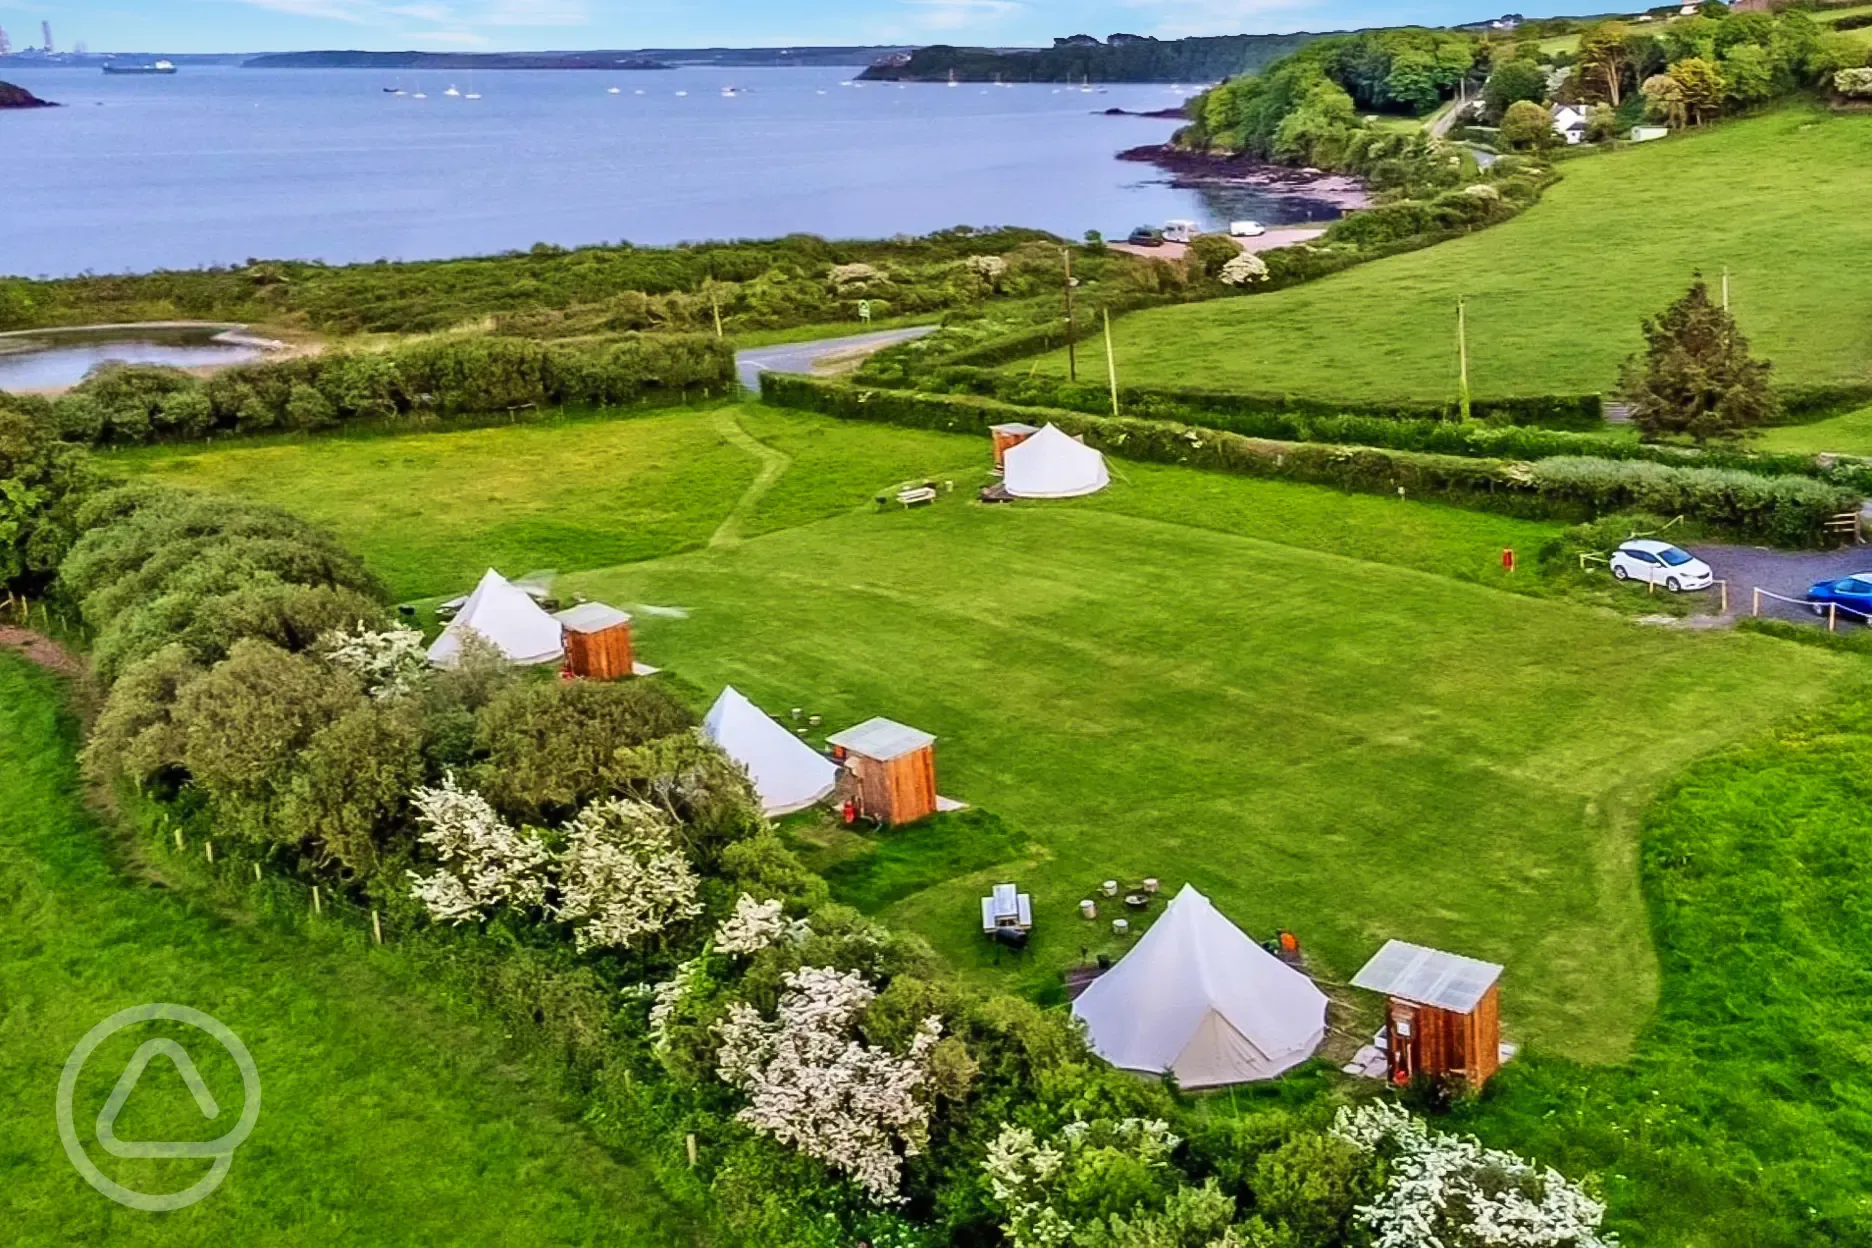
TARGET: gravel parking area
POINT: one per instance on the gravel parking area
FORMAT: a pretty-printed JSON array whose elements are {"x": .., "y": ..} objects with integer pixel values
[{"x": 1785, "y": 572}]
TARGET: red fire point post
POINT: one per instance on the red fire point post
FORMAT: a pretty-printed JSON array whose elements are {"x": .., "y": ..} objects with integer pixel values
[{"x": 1507, "y": 559}]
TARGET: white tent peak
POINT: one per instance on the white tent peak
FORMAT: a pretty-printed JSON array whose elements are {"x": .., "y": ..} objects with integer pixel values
[
  {"x": 788, "y": 774},
  {"x": 1197, "y": 997},
  {"x": 508, "y": 618},
  {"x": 1053, "y": 464}
]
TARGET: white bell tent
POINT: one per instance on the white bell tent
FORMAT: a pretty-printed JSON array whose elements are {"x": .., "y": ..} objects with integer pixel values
[
  {"x": 1197, "y": 997},
  {"x": 508, "y": 618},
  {"x": 788, "y": 774},
  {"x": 1052, "y": 464}
]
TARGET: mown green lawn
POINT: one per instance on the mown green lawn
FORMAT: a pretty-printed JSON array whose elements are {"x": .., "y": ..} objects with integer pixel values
[
  {"x": 1353, "y": 750},
  {"x": 1313, "y": 705},
  {"x": 387, "y": 1118},
  {"x": 1556, "y": 296},
  {"x": 1850, "y": 434}
]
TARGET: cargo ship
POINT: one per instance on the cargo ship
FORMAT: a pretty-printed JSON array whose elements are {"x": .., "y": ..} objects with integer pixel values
[{"x": 159, "y": 67}]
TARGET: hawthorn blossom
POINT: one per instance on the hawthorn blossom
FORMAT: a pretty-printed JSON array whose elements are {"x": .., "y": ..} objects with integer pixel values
[
  {"x": 813, "y": 1085},
  {"x": 390, "y": 662},
  {"x": 1243, "y": 270},
  {"x": 485, "y": 862},
  {"x": 667, "y": 996},
  {"x": 752, "y": 927},
  {"x": 622, "y": 876},
  {"x": 1448, "y": 1190}
]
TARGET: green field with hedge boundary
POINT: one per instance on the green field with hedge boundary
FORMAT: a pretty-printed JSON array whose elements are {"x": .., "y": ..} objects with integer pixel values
[{"x": 1787, "y": 511}]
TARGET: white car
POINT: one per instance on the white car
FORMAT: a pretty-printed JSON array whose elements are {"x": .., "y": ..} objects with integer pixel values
[
  {"x": 1246, "y": 229},
  {"x": 1660, "y": 563}
]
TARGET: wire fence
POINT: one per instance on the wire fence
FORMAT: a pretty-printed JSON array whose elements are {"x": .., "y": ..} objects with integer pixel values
[{"x": 1831, "y": 610}]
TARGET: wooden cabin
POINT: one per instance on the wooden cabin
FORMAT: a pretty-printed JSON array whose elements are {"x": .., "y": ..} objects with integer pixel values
[
  {"x": 1008, "y": 436},
  {"x": 597, "y": 641},
  {"x": 892, "y": 769},
  {"x": 1442, "y": 1013}
]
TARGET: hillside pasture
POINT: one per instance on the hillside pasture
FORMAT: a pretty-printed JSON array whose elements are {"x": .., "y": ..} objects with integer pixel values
[{"x": 1556, "y": 296}]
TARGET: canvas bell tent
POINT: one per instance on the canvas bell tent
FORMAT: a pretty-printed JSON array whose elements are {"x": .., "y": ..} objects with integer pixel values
[
  {"x": 506, "y": 617},
  {"x": 788, "y": 774},
  {"x": 1051, "y": 464},
  {"x": 1200, "y": 999}
]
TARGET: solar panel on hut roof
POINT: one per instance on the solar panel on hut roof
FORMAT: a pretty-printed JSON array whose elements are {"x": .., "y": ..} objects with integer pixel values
[{"x": 1444, "y": 981}]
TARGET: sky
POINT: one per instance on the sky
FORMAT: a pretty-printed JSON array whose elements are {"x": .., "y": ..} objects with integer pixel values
[{"x": 499, "y": 25}]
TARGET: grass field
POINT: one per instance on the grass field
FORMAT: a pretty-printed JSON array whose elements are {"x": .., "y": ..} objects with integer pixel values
[
  {"x": 1557, "y": 295},
  {"x": 1850, "y": 434},
  {"x": 1310, "y": 704},
  {"x": 385, "y": 1118}
]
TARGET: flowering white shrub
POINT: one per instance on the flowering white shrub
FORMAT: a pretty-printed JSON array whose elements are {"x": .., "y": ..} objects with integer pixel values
[
  {"x": 813, "y": 1085},
  {"x": 484, "y": 861},
  {"x": 752, "y": 927},
  {"x": 1447, "y": 1191},
  {"x": 622, "y": 876},
  {"x": 668, "y": 995},
  {"x": 1482, "y": 190},
  {"x": 991, "y": 268},
  {"x": 390, "y": 663},
  {"x": 1026, "y": 1175},
  {"x": 1854, "y": 82},
  {"x": 1244, "y": 270}
]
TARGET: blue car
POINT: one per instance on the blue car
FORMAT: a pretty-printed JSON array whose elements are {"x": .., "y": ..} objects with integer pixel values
[{"x": 1849, "y": 593}]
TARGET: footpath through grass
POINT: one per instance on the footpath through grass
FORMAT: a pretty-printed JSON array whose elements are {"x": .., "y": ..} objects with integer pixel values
[
  {"x": 1557, "y": 295},
  {"x": 386, "y": 1118}
]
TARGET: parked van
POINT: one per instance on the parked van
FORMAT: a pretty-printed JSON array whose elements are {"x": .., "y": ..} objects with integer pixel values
[{"x": 1181, "y": 231}]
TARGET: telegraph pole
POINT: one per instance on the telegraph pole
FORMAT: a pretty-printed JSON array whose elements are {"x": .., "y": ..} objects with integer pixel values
[
  {"x": 1462, "y": 349},
  {"x": 1072, "y": 353}
]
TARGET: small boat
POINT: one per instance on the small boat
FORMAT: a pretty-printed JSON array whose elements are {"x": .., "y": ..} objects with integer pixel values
[
  {"x": 472, "y": 95},
  {"x": 452, "y": 91},
  {"x": 952, "y": 79},
  {"x": 729, "y": 92},
  {"x": 618, "y": 91},
  {"x": 393, "y": 90},
  {"x": 158, "y": 67},
  {"x": 682, "y": 93},
  {"x": 420, "y": 95}
]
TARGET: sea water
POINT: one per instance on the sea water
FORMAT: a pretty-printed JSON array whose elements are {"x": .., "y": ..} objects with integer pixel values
[{"x": 213, "y": 166}]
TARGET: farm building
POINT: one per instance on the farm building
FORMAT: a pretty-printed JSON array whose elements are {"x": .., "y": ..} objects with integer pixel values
[
  {"x": 1006, "y": 437},
  {"x": 788, "y": 774},
  {"x": 505, "y": 616},
  {"x": 1198, "y": 998},
  {"x": 1442, "y": 1013},
  {"x": 892, "y": 767},
  {"x": 597, "y": 641},
  {"x": 1053, "y": 464}
]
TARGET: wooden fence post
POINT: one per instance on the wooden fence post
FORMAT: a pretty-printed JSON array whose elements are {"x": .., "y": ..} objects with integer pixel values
[
  {"x": 692, "y": 1149},
  {"x": 376, "y": 927},
  {"x": 210, "y": 845},
  {"x": 256, "y": 873},
  {"x": 1757, "y": 610},
  {"x": 1725, "y": 596},
  {"x": 180, "y": 846},
  {"x": 1832, "y": 616}
]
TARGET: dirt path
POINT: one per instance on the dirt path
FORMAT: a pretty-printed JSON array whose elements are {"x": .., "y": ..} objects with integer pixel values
[{"x": 38, "y": 648}]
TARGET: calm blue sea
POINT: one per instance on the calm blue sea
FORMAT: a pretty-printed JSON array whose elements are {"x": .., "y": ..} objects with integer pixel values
[{"x": 213, "y": 166}]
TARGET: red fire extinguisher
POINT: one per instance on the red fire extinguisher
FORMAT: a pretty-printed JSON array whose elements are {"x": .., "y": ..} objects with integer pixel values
[{"x": 849, "y": 811}]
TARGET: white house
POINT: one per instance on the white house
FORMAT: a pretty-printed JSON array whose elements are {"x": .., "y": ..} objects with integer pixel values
[{"x": 1569, "y": 122}]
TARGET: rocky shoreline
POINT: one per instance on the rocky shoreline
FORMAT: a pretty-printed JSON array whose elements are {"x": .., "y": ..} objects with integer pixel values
[
  {"x": 19, "y": 97},
  {"x": 1191, "y": 170},
  {"x": 1179, "y": 113}
]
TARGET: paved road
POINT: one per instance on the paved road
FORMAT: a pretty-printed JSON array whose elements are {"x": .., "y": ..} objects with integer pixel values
[{"x": 803, "y": 357}]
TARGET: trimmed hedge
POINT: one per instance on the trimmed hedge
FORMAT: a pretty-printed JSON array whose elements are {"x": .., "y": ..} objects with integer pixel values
[
  {"x": 128, "y": 404},
  {"x": 1789, "y": 511},
  {"x": 1400, "y": 426}
]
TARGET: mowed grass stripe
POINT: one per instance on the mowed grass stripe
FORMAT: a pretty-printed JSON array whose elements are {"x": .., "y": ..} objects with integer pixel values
[
  {"x": 1352, "y": 750},
  {"x": 386, "y": 1118},
  {"x": 1556, "y": 296}
]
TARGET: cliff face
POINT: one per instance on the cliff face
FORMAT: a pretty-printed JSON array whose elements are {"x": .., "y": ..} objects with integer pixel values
[{"x": 19, "y": 97}]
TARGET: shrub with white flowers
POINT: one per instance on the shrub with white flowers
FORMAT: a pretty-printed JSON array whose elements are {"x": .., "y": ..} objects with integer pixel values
[
  {"x": 1244, "y": 270},
  {"x": 622, "y": 876},
  {"x": 667, "y": 996},
  {"x": 1854, "y": 83},
  {"x": 390, "y": 662},
  {"x": 752, "y": 927},
  {"x": 812, "y": 1084},
  {"x": 485, "y": 861},
  {"x": 1029, "y": 1177},
  {"x": 1447, "y": 1191}
]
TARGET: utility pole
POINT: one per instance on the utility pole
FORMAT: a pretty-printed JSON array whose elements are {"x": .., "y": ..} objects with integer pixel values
[
  {"x": 1725, "y": 288},
  {"x": 1462, "y": 349},
  {"x": 1111, "y": 360},
  {"x": 1072, "y": 352}
]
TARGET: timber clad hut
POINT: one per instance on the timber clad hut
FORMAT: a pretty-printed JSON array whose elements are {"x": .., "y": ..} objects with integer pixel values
[
  {"x": 893, "y": 768},
  {"x": 1443, "y": 1015},
  {"x": 597, "y": 641},
  {"x": 1008, "y": 436}
]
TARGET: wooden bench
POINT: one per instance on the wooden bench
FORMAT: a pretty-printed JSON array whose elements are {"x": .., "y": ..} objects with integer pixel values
[{"x": 921, "y": 494}]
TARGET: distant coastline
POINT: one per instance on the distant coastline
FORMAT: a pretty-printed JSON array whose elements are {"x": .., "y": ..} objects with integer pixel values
[{"x": 624, "y": 61}]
